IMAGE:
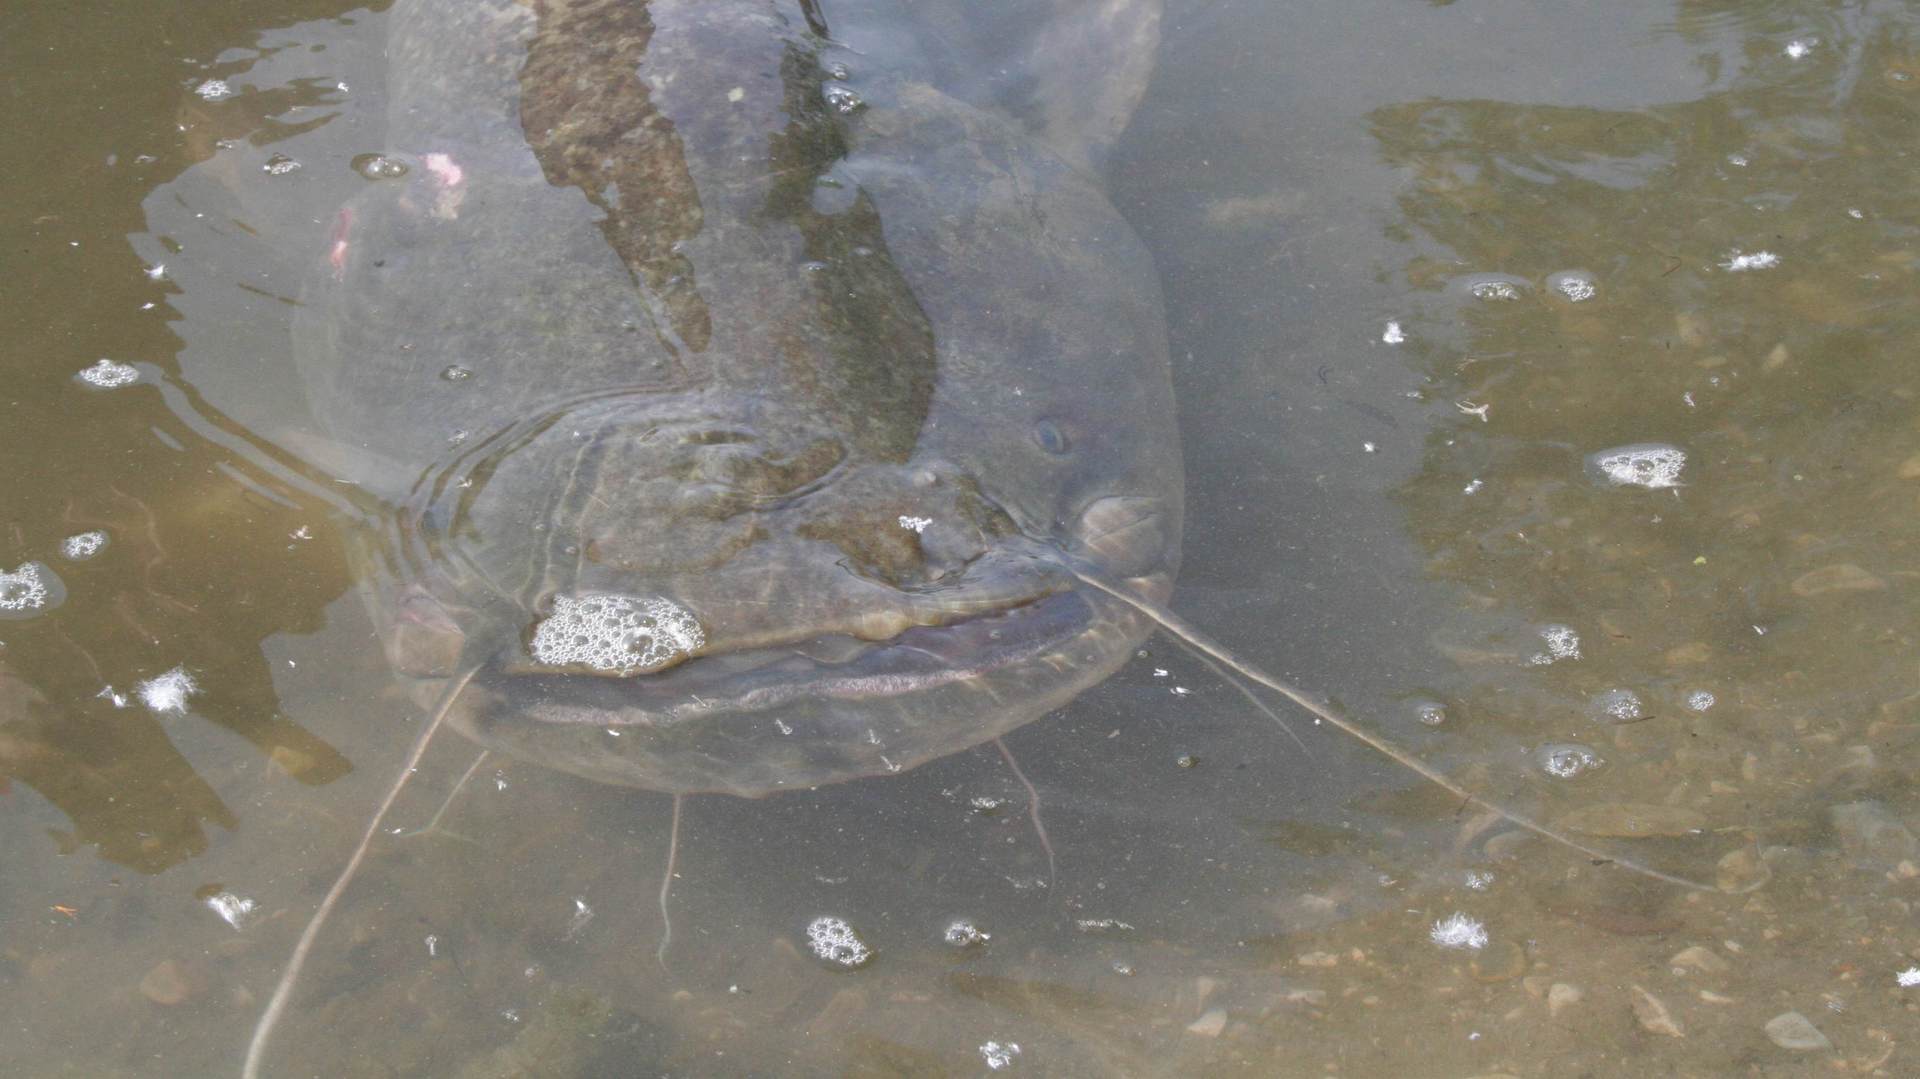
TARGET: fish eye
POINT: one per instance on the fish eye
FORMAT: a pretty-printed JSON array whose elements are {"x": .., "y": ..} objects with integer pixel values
[{"x": 1052, "y": 437}]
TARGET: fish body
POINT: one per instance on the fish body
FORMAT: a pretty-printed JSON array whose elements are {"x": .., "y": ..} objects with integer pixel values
[{"x": 735, "y": 393}]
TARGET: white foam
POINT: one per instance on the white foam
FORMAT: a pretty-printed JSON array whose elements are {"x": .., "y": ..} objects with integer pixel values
[
  {"x": 232, "y": 909},
  {"x": 1575, "y": 286},
  {"x": 1908, "y": 978},
  {"x": 1562, "y": 643},
  {"x": 1618, "y": 706},
  {"x": 1738, "y": 262},
  {"x": 28, "y": 590},
  {"x": 83, "y": 546},
  {"x": 1700, "y": 700},
  {"x": 607, "y": 631},
  {"x": 168, "y": 693},
  {"x": 1458, "y": 931},
  {"x": 1652, "y": 465},
  {"x": 214, "y": 89},
  {"x": 833, "y": 941},
  {"x": 1394, "y": 334},
  {"x": 1798, "y": 48},
  {"x": 1502, "y": 291},
  {"x": 109, "y": 374},
  {"x": 999, "y": 1056}
]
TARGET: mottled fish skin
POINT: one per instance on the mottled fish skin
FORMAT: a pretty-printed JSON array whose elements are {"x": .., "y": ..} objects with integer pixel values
[{"x": 830, "y": 346}]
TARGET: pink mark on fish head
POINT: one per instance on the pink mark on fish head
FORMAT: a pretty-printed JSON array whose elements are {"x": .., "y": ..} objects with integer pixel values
[
  {"x": 337, "y": 253},
  {"x": 447, "y": 171}
]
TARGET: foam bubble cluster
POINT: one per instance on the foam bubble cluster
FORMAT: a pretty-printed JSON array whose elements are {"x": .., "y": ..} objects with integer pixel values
[
  {"x": 622, "y": 634},
  {"x": 29, "y": 590},
  {"x": 1618, "y": 706},
  {"x": 1741, "y": 262},
  {"x": 832, "y": 940},
  {"x": 235, "y": 910},
  {"x": 1563, "y": 642},
  {"x": 109, "y": 374},
  {"x": 1653, "y": 465},
  {"x": 1459, "y": 931},
  {"x": 168, "y": 693},
  {"x": 999, "y": 1055},
  {"x": 83, "y": 546},
  {"x": 1700, "y": 700},
  {"x": 1574, "y": 285}
]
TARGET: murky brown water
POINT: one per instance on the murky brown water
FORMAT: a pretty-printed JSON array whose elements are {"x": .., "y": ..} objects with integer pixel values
[{"x": 1686, "y": 225}]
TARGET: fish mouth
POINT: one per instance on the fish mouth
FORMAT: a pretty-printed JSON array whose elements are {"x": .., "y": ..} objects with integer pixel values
[{"x": 795, "y": 715}]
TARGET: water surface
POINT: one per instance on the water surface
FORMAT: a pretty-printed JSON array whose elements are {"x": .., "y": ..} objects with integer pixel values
[{"x": 1429, "y": 270}]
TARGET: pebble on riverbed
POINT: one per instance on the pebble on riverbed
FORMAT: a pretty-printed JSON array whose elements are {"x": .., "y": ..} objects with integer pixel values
[
  {"x": 1652, "y": 1014},
  {"x": 1791, "y": 1030}
]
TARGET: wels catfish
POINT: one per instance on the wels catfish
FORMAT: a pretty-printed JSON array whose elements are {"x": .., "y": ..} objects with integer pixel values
[
  {"x": 741, "y": 381},
  {"x": 734, "y": 392},
  {"x": 758, "y": 395}
]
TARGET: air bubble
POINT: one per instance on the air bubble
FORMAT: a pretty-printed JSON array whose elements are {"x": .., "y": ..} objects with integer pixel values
[
  {"x": 1652, "y": 465},
  {"x": 108, "y": 375},
  {"x": 83, "y": 546},
  {"x": 1737, "y": 262},
  {"x": 1458, "y": 931},
  {"x": 1617, "y": 706},
  {"x": 1495, "y": 288},
  {"x": 29, "y": 590},
  {"x": 1562, "y": 643},
  {"x": 1700, "y": 700},
  {"x": 456, "y": 373},
  {"x": 280, "y": 165},
  {"x": 1577, "y": 287},
  {"x": 233, "y": 909},
  {"x": 964, "y": 934},
  {"x": 379, "y": 167},
  {"x": 999, "y": 1056},
  {"x": 833, "y": 941},
  {"x": 1567, "y": 759},
  {"x": 843, "y": 100},
  {"x": 168, "y": 693},
  {"x": 214, "y": 89}
]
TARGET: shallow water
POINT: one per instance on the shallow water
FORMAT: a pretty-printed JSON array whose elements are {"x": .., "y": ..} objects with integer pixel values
[{"x": 1559, "y": 215}]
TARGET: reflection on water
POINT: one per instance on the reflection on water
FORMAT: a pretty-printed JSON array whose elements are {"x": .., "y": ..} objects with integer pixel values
[{"x": 1611, "y": 525}]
